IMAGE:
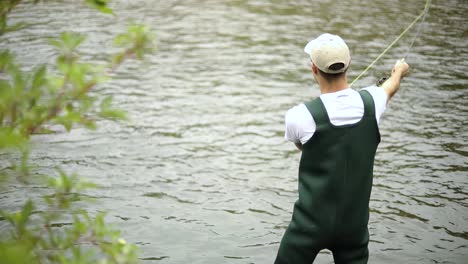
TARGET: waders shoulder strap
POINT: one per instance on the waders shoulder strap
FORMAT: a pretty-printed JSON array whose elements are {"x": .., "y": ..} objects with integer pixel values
[
  {"x": 318, "y": 112},
  {"x": 369, "y": 107}
]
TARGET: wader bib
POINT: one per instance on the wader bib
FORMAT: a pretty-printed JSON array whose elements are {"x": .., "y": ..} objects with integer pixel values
[{"x": 335, "y": 181}]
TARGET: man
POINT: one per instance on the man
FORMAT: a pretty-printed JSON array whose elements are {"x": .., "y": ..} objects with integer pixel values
[{"x": 338, "y": 134}]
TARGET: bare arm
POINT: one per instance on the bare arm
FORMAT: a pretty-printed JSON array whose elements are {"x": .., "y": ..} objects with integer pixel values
[{"x": 392, "y": 84}]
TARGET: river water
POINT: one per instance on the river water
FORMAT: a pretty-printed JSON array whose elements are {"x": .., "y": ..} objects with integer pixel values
[{"x": 201, "y": 172}]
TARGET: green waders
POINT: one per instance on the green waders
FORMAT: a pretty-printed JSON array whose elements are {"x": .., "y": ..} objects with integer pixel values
[{"x": 335, "y": 181}]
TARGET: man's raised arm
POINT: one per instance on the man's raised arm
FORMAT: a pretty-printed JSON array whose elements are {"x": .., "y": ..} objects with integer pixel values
[{"x": 392, "y": 84}]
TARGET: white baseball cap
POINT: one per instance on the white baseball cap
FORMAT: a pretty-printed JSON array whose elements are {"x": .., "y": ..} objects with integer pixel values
[{"x": 326, "y": 50}]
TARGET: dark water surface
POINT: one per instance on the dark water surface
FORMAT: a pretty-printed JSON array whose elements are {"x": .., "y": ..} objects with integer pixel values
[{"x": 201, "y": 172}]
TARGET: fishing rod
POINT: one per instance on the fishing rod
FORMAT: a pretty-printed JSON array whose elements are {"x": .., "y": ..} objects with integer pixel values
[{"x": 421, "y": 15}]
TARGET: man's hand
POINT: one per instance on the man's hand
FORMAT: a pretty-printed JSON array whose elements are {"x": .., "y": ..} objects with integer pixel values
[
  {"x": 392, "y": 85},
  {"x": 401, "y": 68}
]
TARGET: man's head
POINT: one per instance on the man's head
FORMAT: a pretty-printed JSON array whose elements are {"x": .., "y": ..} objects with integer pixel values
[{"x": 330, "y": 55}]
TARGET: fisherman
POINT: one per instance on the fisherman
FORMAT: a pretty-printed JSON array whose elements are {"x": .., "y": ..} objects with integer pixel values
[{"x": 338, "y": 134}]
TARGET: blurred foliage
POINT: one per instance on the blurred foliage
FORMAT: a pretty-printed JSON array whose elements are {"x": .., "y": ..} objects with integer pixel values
[{"x": 39, "y": 101}]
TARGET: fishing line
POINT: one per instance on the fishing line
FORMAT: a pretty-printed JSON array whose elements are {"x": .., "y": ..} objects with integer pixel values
[
  {"x": 426, "y": 9},
  {"x": 423, "y": 16}
]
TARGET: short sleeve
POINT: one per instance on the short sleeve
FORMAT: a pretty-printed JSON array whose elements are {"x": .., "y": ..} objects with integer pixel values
[
  {"x": 299, "y": 124},
  {"x": 380, "y": 100}
]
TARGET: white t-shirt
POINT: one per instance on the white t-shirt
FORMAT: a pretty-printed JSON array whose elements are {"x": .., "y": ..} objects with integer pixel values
[{"x": 343, "y": 107}]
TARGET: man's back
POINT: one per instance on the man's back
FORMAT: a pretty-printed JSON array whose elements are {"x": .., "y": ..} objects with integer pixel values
[
  {"x": 343, "y": 107},
  {"x": 335, "y": 181}
]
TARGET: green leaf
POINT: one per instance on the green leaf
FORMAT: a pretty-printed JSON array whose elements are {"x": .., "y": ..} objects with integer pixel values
[
  {"x": 66, "y": 182},
  {"x": 23, "y": 218},
  {"x": 67, "y": 44},
  {"x": 106, "y": 102},
  {"x": 16, "y": 252},
  {"x": 26, "y": 212},
  {"x": 89, "y": 123},
  {"x": 111, "y": 113},
  {"x": 71, "y": 40},
  {"x": 6, "y": 59},
  {"x": 79, "y": 226},
  {"x": 100, "y": 5},
  {"x": 54, "y": 83},
  {"x": 118, "y": 58},
  {"x": 12, "y": 139},
  {"x": 137, "y": 38},
  {"x": 83, "y": 184},
  {"x": 8, "y": 217},
  {"x": 68, "y": 119},
  {"x": 39, "y": 79},
  {"x": 55, "y": 42},
  {"x": 122, "y": 39},
  {"x": 3, "y": 24}
]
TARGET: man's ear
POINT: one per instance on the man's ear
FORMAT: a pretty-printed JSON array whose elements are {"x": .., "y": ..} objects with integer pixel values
[{"x": 314, "y": 69}]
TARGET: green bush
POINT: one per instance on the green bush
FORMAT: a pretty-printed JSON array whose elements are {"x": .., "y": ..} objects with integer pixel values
[{"x": 59, "y": 95}]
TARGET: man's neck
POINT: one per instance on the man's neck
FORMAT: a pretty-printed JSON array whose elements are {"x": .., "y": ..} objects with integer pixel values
[{"x": 333, "y": 87}]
